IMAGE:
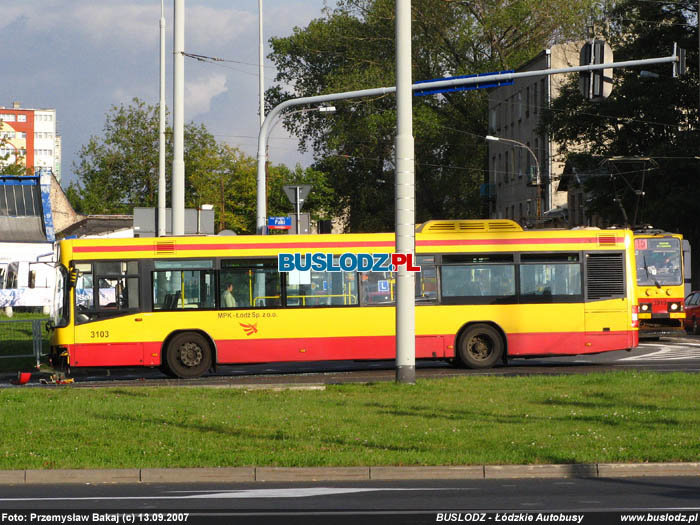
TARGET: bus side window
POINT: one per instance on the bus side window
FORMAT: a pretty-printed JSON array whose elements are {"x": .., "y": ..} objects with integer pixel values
[
  {"x": 256, "y": 283},
  {"x": 312, "y": 288},
  {"x": 377, "y": 288},
  {"x": 426, "y": 279}
]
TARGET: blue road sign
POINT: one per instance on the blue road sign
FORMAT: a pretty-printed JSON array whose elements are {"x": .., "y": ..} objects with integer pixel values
[
  {"x": 480, "y": 85},
  {"x": 279, "y": 223}
]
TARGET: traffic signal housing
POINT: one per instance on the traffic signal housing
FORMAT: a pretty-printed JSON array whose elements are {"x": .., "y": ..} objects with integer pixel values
[{"x": 596, "y": 85}]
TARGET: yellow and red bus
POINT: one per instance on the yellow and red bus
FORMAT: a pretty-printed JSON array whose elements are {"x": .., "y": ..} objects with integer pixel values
[
  {"x": 487, "y": 290},
  {"x": 660, "y": 282}
]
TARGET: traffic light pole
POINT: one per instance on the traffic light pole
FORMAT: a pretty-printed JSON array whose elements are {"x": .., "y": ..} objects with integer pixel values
[
  {"x": 453, "y": 82},
  {"x": 406, "y": 294}
]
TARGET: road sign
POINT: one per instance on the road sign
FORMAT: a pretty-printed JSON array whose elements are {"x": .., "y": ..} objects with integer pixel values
[
  {"x": 291, "y": 192},
  {"x": 279, "y": 223},
  {"x": 480, "y": 85}
]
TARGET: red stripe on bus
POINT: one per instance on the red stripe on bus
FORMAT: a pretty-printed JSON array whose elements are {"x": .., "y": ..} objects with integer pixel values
[
  {"x": 476, "y": 242},
  {"x": 570, "y": 343},
  {"x": 209, "y": 247},
  {"x": 335, "y": 244},
  {"x": 233, "y": 351}
]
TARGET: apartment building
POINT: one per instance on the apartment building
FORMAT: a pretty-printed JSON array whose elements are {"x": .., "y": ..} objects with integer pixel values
[
  {"x": 30, "y": 136},
  {"x": 515, "y": 190}
]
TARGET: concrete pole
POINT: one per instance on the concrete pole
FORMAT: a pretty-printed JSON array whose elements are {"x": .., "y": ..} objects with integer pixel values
[
  {"x": 178, "y": 196},
  {"x": 405, "y": 199},
  {"x": 161, "y": 130},
  {"x": 261, "y": 58}
]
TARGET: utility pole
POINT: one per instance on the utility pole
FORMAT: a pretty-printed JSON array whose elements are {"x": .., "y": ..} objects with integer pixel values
[
  {"x": 161, "y": 130},
  {"x": 178, "y": 191},
  {"x": 405, "y": 199},
  {"x": 261, "y": 57}
]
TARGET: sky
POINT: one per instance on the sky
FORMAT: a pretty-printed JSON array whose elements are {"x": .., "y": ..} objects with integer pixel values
[{"x": 82, "y": 57}]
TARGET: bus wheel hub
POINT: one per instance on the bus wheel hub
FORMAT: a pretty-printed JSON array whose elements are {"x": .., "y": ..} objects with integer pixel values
[
  {"x": 479, "y": 348},
  {"x": 190, "y": 354}
]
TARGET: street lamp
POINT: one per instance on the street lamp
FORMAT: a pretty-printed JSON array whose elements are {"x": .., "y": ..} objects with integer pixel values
[
  {"x": 321, "y": 109},
  {"x": 537, "y": 164}
]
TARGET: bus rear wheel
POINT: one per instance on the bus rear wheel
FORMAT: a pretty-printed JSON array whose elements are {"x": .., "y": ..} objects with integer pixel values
[
  {"x": 188, "y": 355},
  {"x": 480, "y": 346}
]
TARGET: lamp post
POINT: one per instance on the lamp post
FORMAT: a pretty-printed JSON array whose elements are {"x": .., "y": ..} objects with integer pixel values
[
  {"x": 537, "y": 165},
  {"x": 320, "y": 109}
]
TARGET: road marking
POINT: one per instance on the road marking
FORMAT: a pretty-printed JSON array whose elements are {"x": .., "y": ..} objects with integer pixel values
[
  {"x": 666, "y": 353},
  {"x": 235, "y": 494}
]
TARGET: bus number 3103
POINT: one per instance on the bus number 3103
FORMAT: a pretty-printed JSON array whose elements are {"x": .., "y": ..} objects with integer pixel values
[{"x": 94, "y": 334}]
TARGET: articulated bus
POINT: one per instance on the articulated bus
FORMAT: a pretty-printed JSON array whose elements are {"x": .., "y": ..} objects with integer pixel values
[
  {"x": 660, "y": 282},
  {"x": 486, "y": 291}
]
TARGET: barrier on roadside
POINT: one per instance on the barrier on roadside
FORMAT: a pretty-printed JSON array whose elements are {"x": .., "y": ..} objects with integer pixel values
[{"x": 23, "y": 338}]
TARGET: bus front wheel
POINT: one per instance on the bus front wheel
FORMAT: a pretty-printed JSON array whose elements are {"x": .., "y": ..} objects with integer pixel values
[
  {"x": 188, "y": 355},
  {"x": 480, "y": 346}
]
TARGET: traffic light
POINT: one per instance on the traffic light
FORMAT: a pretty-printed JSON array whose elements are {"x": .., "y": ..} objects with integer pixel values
[
  {"x": 679, "y": 64},
  {"x": 596, "y": 85}
]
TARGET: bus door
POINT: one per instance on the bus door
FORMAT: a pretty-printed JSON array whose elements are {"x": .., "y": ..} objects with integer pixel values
[
  {"x": 606, "y": 308},
  {"x": 105, "y": 293}
]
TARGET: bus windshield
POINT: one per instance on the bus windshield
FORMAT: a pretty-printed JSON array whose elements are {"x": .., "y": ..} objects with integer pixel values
[{"x": 658, "y": 261}]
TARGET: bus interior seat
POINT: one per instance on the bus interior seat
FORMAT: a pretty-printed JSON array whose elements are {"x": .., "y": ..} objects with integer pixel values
[{"x": 171, "y": 301}]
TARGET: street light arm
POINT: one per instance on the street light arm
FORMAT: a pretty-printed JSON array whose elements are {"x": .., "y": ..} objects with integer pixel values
[
  {"x": 321, "y": 109},
  {"x": 517, "y": 143}
]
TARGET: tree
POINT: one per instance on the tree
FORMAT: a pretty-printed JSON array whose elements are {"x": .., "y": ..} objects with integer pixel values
[
  {"x": 120, "y": 171},
  {"x": 353, "y": 47},
  {"x": 643, "y": 117}
]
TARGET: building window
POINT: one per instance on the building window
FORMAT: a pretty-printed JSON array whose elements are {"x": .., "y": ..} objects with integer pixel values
[
  {"x": 21, "y": 118},
  {"x": 7, "y": 117},
  {"x": 527, "y": 101},
  {"x": 535, "y": 102},
  {"x": 493, "y": 119},
  {"x": 520, "y": 105},
  {"x": 542, "y": 94}
]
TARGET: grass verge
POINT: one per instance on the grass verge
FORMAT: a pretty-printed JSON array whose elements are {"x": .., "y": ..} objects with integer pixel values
[{"x": 612, "y": 417}]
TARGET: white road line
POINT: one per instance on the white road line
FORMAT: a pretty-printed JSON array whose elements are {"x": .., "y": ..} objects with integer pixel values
[
  {"x": 234, "y": 494},
  {"x": 666, "y": 353}
]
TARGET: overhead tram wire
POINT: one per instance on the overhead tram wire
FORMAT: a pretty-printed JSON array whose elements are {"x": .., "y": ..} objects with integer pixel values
[{"x": 215, "y": 61}]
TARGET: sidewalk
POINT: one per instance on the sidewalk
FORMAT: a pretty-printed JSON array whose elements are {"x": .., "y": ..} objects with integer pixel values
[{"x": 312, "y": 474}]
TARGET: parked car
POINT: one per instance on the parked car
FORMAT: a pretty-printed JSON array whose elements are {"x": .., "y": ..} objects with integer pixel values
[{"x": 692, "y": 313}]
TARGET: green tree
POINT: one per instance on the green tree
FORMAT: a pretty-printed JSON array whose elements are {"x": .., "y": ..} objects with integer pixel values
[
  {"x": 119, "y": 171},
  {"x": 353, "y": 47},
  {"x": 643, "y": 117}
]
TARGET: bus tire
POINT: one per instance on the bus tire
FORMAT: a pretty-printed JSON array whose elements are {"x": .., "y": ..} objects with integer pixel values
[
  {"x": 188, "y": 355},
  {"x": 480, "y": 346}
]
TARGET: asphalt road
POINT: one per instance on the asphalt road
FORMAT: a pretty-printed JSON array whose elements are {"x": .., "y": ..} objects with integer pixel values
[
  {"x": 366, "y": 502},
  {"x": 666, "y": 355}
]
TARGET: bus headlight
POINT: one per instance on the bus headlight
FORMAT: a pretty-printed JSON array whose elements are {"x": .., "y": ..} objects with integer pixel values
[
  {"x": 674, "y": 307},
  {"x": 644, "y": 308}
]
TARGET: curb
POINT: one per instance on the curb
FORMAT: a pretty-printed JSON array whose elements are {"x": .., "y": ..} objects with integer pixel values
[{"x": 300, "y": 474}]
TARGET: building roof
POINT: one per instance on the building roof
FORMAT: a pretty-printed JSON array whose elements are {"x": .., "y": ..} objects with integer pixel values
[{"x": 96, "y": 224}]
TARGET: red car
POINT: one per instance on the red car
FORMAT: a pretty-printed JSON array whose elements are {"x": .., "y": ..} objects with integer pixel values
[{"x": 692, "y": 313}]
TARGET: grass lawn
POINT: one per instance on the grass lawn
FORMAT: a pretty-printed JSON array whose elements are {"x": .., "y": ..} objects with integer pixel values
[{"x": 612, "y": 417}]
